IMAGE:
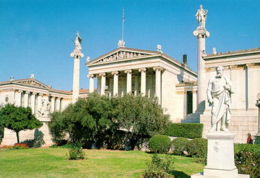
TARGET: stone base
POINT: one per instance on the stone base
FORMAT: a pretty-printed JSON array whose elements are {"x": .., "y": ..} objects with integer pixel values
[
  {"x": 220, "y": 158},
  {"x": 201, "y": 175}
]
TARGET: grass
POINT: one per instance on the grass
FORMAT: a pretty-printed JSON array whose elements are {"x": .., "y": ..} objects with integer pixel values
[{"x": 53, "y": 162}]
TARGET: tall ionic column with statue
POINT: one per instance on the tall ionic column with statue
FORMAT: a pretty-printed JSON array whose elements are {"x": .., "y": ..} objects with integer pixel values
[
  {"x": 76, "y": 54},
  {"x": 201, "y": 33}
]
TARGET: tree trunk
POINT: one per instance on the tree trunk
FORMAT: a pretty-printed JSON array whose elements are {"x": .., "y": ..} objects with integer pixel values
[{"x": 17, "y": 136}]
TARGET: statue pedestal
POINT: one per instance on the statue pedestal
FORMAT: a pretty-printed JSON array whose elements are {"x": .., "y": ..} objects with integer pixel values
[{"x": 220, "y": 158}]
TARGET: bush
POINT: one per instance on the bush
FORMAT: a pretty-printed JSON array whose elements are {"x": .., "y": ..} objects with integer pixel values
[
  {"x": 187, "y": 130},
  {"x": 247, "y": 159},
  {"x": 159, "y": 144},
  {"x": 179, "y": 146},
  {"x": 76, "y": 152},
  {"x": 198, "y": 147},
  {"x": 159, "y": 167}
]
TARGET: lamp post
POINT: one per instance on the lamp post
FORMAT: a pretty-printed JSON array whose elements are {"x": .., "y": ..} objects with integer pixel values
[{"x": 257, "y": 137}]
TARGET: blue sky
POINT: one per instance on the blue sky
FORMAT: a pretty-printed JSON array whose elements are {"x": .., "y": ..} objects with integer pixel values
[{"x": 37, "y": 35}]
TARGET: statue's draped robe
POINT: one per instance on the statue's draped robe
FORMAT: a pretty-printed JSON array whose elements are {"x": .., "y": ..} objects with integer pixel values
[{"x": 221, "y": 102}]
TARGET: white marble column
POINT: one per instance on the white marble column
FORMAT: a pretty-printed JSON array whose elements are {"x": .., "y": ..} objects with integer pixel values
[
  {"x": 26, "y": 99},
  {"x": 158, "y": 83},
  {"x": 76, "y": 54},
  {"x": 103, "y": 83},
  {"x": 52, "y": 103},
  {"x": 57, "y": 103},
  {"x": 91, "y": 83},
  {"x": 39, "y": 102},
  {"x": 201, "y": 33},
  {"x": 115, "y": 83},
  {"x": 143, "y": 81},
  {"x": 18, "y": 98},
  {"x": 128, "y": 81},
  {"x": 136, "y": 85},
  {"x": 33, "y": 102}
]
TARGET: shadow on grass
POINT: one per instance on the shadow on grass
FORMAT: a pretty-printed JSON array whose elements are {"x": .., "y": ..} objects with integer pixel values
[{"x": 179, "y": 174}]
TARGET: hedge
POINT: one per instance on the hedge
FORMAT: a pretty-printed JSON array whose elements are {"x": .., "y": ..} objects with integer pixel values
[
  {"x": 186, "y": 130},
  {"x": 159, "y": 144},
  {"x": 179, "y": 146}
]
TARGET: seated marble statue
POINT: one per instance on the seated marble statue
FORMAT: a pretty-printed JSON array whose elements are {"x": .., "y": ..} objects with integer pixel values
[{"x": 219, "y": 97}]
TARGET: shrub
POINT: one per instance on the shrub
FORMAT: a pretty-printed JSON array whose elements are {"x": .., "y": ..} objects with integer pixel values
[
  {"x": 159, "y": 144},
  {"x": 197, "y": 147},
  {"x": 76, "y": 152},
  {"x": 187, "y": 130},
  {"x": 159, "y": 167},
  {"x": 247, "y": 159},
  {"x": 179, "y": 145}
]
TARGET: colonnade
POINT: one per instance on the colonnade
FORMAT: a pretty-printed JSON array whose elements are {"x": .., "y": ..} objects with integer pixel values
[
  {"x": 115, "y": 74},
  {"x": 34, "y": 100}
]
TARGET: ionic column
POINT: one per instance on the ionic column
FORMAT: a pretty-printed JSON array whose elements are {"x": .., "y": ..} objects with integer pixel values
[
  {"x": 52, "y": 104},
  {"x": 115, "y": 83},
  {"x": 18, "y": 98},
  {"x": 26, "y": 99},
  {"x": 128, "y": 81},
  {"x": 39, "y": 101},
  {"x": 136, "y": 85},
  {"x": 91, "y": 83},
  {"x": 33, "y": 102},
  {"x": 143, "y": 81},
  {"x": 158, "y": 83},
  {"x": 57, "y": 103},
  {"x": 103, "y": 83}
]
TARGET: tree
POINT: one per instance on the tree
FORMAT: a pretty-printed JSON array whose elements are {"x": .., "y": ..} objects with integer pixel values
[
  {"x": 143, "y": 117},
  {"x": 87, "y": 121},
  {"x": 18, "y": 118}
]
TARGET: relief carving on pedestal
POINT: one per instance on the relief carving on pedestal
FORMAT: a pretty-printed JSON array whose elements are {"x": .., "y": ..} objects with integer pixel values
[{"x": 44, "y": 108}]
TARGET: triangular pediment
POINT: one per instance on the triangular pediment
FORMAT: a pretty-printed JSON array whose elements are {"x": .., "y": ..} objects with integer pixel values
[
  {"x": 121, "y": 54},
  {"x": 31, "y": 82}
]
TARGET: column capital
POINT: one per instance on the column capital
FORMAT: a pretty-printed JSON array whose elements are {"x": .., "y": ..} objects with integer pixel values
[
  {"x": 90, "y": 75},
  {"x": 142, "y": 69},
  {"x": 34, "y": 93},
  {"x": 158, "y": 68},
  {"x": 114, "y": 73},
  {"x": 27, "y": 92},
  {"x": 18, "y": 91},
  {"x": 128, "y": 71},
  {"x": 102, "y": 74}
]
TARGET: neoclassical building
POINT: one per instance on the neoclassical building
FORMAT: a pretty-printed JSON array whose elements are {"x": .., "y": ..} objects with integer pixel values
[
  {"x": 41, "y": 98},
  {"x": 150, "y": 73}
]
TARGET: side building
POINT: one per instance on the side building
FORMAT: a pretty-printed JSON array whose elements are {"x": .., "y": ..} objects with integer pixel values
[
  {"x": 41, "y": 98},
  {"x": 243, "y": 69}
]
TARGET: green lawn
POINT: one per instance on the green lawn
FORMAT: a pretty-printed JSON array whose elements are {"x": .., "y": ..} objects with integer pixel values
[{"x": 53, "y": 162}]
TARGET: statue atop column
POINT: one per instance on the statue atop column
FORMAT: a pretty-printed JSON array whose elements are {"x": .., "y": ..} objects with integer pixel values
[
  {"x": 219, "y": 97},
  {"x": 201, "y": 16},
  {"x": 77, "y": 50}
]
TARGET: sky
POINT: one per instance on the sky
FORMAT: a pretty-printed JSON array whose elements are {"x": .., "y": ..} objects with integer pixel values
[{"x": 37, "y": 35}]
